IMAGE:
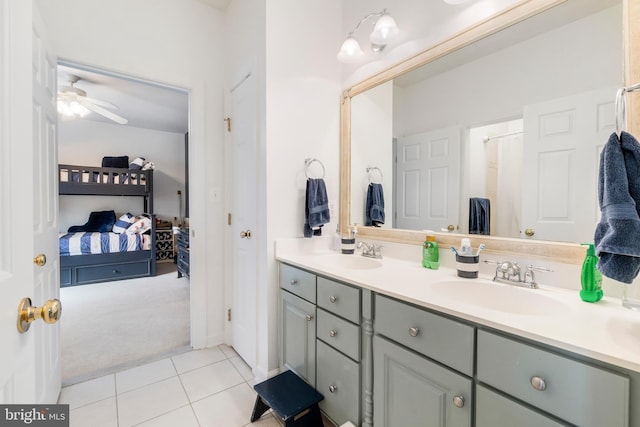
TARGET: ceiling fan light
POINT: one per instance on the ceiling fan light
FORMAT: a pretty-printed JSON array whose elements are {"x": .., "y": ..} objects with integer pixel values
[
  {"x": 350, "y": 51},
  {"x": 78, "y": 109},
  {"x": 384, "y": 30}
]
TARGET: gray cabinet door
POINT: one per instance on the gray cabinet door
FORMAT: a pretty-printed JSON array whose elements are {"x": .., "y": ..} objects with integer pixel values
[
  {"x": 410, "y": 390},
  {"x": 299, "y": 336}
]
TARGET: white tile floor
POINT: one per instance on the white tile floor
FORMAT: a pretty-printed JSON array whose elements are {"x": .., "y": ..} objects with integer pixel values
[{"x": 211, "y": 387}]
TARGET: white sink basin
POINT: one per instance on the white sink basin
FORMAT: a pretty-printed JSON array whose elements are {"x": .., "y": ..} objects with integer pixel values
[
  {"x": 356, "y": 262},
  {"x": 500, "y": 297}
]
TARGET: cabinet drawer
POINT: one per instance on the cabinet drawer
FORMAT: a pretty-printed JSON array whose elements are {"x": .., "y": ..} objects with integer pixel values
[
  {"x": 442, "y": 339},
  {"x": 338, "y": 380},
  {"x": 298, "y": 282},
  {"x": 576, "y": 392},
  {"x": 65, "y": 276},
  {"x": 340, "y": 299},
  {"x": 112, "y": 271},
  {"x": 494, "y": 410},
  {"x": 411, "y": 390},
  {"x": 339, "y": 333}
]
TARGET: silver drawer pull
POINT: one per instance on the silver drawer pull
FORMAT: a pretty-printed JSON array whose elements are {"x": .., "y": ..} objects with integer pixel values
[
  {"x": 293, "y": 282},
  {"x": 309, "y": 317},
  {"x": 538, "y": 383},
  {"x": 458, "y": 401},
  {"x": 333, "y": 333},
  {"x": 333, "y": 298},
  {"x": 414, "y": 331},
  {"x": 333, "y": 388}
]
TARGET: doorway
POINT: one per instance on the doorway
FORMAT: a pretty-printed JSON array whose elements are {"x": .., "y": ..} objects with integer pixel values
[{"x": 110, "y": 326}]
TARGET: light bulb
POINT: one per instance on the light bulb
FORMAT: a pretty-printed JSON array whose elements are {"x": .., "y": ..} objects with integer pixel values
[
  {"x": 384, "y": 30},
  {"x": 350, "y": 51}
]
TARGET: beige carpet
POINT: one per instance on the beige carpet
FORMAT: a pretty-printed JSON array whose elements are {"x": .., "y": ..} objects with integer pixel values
[{"x": 112, "y": 326}]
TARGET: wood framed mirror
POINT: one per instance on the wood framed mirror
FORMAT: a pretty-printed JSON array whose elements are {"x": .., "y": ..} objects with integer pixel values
[{"x": 567, "y": 251}]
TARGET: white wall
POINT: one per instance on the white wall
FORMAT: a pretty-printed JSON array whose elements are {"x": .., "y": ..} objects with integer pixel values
[
  {"x": 85, "y": 142},
  {"x": 566, "y": 61},
  {"x": 372, "y": 146},
  {"x": 422, "y": 24},
  {"x": 182, "y": 44}
]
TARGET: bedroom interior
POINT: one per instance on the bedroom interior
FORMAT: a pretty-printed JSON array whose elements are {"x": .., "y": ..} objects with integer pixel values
[{"x": 127, "y": 177}]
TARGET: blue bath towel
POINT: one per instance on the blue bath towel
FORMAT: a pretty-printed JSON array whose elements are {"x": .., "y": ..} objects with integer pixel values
[
  {"x": 479, "y": 216},
  {"x": 316, "y": 207},
  {"x": 617, "y": 236},
  {"x": 374, "y": 207}
]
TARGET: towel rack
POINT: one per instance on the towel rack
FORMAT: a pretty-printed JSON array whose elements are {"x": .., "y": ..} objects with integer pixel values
[
  {"x": 307, "y": 163},
  {"x": 621, "y": 107},
  {"x": 371, "y": 169}
]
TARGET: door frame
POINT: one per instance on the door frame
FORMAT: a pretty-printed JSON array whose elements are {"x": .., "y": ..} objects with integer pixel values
[{"x": 197, "y": 304}]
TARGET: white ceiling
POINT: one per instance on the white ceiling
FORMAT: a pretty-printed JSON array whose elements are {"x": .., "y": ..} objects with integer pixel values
[
  {"x": 218, "y": 4},
  {"x": 145, "y": 104}
]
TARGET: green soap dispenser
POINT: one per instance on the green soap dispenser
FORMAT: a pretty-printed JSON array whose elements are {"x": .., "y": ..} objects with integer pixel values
[
  {"x": 430, "y": 252},
  {"x": 591, "y": 278}
]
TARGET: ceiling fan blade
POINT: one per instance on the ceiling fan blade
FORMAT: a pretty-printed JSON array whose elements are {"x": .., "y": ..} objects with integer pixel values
[
  {"x": 106, "y": 113},
  {"x": 102, "y": 103}
]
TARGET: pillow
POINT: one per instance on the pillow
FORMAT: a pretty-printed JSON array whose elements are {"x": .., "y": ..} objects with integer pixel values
[
  {"x": 101, "y": 222},
  {"x": 141, "y": 225},
  {"x": 123, "y": 223},
  {"x": 115, "y": 162},
  {"x": 137, "y": 163}
]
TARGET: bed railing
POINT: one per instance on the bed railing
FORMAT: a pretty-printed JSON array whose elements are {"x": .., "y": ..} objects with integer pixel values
[{"x": 94, "y": 180}]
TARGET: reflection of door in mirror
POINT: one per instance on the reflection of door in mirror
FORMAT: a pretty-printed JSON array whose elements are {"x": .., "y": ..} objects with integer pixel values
[{"x": 428, "y": 180}]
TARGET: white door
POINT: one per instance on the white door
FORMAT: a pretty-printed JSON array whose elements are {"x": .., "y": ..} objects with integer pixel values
[
  {"x": 244, "y": 220},
  {"x": 428, "y": 180},
  {"x": 563, "y": 139},
  {"x": 29, "y": 362}
]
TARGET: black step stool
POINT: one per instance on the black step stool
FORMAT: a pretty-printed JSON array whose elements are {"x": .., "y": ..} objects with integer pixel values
[{"x": 295, "y": 401}]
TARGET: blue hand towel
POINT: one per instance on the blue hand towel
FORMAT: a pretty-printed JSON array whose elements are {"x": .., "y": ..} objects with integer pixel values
[
  {"x": 374, "y": 207},
  {"x": 479, "y": 216},
  {"x": 617, "y": 236},
  {"x": 316, "y": 207}
]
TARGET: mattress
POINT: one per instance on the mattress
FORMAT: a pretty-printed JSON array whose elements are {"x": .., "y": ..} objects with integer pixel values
[{"x": 102, "y": 243}]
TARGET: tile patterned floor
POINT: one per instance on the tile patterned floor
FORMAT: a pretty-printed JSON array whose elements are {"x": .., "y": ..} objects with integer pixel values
[{"x": 210, "y": 387}]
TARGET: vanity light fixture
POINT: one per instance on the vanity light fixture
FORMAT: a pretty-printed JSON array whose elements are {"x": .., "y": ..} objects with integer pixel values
[{"x": 384, "y": 30}]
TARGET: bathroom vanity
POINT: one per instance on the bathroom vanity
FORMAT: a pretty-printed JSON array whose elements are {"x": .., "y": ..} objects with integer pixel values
[{"x": 389, "y": 343}]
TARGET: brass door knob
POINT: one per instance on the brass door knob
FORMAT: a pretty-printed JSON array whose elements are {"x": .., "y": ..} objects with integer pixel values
[
  {"x": 40, "y": 260},
  {"x": 529, "y": 232},
  {"x": 451, "y": 227},
  {"x": 50, "y": 312},
  {"x": 245, "y": 234}
]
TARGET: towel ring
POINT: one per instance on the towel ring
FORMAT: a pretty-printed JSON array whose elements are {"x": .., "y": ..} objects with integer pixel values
[
  {"x": 621, "y": 107},
  {"x": 307, "y": 163},
  {"x": 371, "y": 169}
]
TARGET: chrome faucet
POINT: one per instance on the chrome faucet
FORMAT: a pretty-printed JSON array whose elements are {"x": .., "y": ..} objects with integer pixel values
[
  {"x": 370, "y": 250},
  {"x": 510, "y": 272}
]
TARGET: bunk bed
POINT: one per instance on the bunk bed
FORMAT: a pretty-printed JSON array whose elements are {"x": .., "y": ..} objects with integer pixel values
[{"x": 129, "y": 260}]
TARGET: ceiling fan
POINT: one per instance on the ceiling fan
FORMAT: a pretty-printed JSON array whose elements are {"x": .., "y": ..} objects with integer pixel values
[{"x": 73, "y": 102}]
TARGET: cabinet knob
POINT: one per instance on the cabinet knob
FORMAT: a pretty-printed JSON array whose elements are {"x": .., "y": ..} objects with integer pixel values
[
  {"x": 333, "y": 298},
  {"x": 538, "y": 383},
  {"x": 458, "y": 401},
  {"x": 309, "y": 317},
  {"x": 414, "y": 331},
  {"x": 333, "y": 388},
  {"x": 333, "y": 333},
  {"x": 293, "y": 282}
]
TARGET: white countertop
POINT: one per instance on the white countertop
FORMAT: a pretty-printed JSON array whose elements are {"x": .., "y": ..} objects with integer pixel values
[{"x": 604, "y": 330}]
